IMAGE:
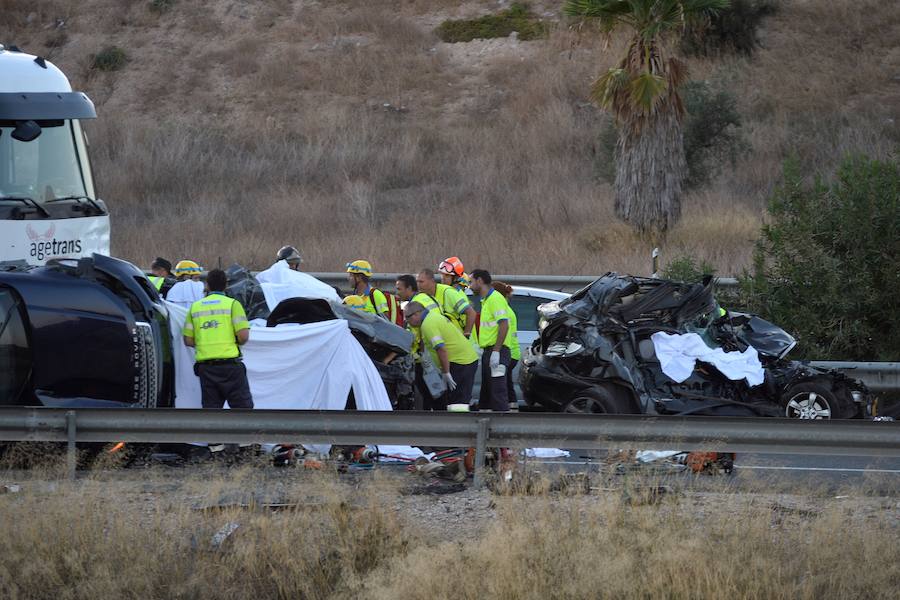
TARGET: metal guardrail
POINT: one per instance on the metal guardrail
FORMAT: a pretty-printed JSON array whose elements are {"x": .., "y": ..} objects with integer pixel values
[
  {"x": 878, "y": 376},
  {"x": 560, "y": 283},
  {"x": 481, "y": 430}
]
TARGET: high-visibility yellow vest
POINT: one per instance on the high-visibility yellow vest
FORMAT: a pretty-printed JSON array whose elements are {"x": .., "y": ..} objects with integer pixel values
[
  {"x": 438, "y": 332},
  {"x": 157, "y": 281},
  {"x": 512, "y": 340},
  {"x": 213, "y": 322},
  {"x": 493, "y": 310},
  {"x": 453, "y": 304}
]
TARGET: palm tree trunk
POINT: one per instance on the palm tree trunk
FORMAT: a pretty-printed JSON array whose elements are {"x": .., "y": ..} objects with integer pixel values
[{"x": 650, "y": 168}]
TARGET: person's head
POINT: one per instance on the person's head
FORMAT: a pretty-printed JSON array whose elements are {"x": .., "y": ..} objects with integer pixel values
[
  {"x": 355, "y": 302},
  {"x": 406, "y": 287},
  {"x": 450, "y": 270},
  {"x": 503, "y": 288},
  {"x": 291, "y": 256},
  {"x": 187, "y": 269},
  {"x": 161, "y": 267},
  {"x": 463, "y": 281},
  {"x": 414, "y": 313},
  {"x": 216, "y": 280},
  {"x": 425, "y": 281},
  {"x": 481, "y": 282},
  {"x": 358, "y": 273}
]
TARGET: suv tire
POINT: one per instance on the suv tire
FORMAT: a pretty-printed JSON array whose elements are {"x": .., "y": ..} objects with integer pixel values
[
  {"x": 815, "y": 400},
  {"x": 598, "y": 401}
]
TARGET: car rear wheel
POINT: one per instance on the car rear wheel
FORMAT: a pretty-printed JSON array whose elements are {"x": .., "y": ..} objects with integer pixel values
[
  {"x": 814, "y": 400},
  {"x": 597, "y": 401}
]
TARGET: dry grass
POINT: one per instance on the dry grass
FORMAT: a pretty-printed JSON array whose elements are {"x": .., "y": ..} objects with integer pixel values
[
  {"x": 237, "y": 128},
  {"x": 139, "y": 535}
]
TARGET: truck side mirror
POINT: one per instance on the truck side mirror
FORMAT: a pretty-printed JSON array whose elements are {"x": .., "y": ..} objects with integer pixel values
[{"x": 26, "y": 131}]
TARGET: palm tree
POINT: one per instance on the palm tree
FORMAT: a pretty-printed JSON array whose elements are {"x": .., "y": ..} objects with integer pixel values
[{"x": 641, "y": 92}]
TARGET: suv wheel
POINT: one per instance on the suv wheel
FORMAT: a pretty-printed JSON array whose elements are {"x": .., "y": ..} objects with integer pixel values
[
  {"x": 814, "y": 400},
  {"x": 596, "y": 401}
]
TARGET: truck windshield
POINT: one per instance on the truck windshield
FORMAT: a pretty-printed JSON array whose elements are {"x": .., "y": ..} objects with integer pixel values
[{"x": 54, "y": 165}]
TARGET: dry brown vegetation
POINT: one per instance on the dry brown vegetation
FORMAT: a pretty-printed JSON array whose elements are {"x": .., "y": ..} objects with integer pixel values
[
  {"x": 150, "y": 534},
  {"x": 238, "y": 127}
]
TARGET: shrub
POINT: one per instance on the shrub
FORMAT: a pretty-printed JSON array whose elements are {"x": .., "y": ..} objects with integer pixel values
[
  {"x": 733, "y": 29},
  {"x": 518, "y": 17},
  {"x": 111, "y": 58},
  {"x": 710, "y": 132},
  {"x": 826, "y": 265},
  {"x": 687, "y": 269}
]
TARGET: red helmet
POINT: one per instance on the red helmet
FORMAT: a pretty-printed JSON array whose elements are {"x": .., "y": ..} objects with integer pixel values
[{"x": 451, "y": 266}]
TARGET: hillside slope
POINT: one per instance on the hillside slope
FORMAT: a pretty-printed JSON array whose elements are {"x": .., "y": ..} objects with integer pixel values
[{"x": 348, "y": 129}]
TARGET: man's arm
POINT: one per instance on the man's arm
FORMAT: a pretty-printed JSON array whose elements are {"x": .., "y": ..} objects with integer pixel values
[
  {"x": 502, "y": 330},
  {"x": 240, "y": 324},
  {"x": 189, "y": 341},
  {"x": 443, "y": 358},
  {"x": 471, "y": 317}
]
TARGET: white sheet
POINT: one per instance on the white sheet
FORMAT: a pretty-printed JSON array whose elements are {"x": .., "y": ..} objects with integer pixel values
[
  {"x": 279, "y": 283},
  {"x": 678, "y": 354},
  {"x": 184, "y": 293},
  {"x": 291, "y": 367},
  {"x": 545, "y": 453}
]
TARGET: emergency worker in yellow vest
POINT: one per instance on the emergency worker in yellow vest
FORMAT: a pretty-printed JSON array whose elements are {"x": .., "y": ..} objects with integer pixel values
[
  {"x": 216, "y": 326},
  {"x": 494, "y": 329},
  {"x": 512, "y": 340},
  {"x": 162, "y": 277},
  {"x": 408, "y": 291},
  {"x": 453, "y": 304},
  {"x": 358, "y": 274},
  {"x": 450, "y": 351}
]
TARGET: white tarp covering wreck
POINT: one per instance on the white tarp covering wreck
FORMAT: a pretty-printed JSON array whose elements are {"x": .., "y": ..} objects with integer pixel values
[{"x": 291, "y": 366}]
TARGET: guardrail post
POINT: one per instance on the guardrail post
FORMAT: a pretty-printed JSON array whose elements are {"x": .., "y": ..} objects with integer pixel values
[
  {"x": 480, "y": 449},
  {"x": 71, "y": 456}
]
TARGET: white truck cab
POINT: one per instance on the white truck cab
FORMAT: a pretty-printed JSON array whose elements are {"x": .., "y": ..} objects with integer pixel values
[{"x": 48, "y": 205}]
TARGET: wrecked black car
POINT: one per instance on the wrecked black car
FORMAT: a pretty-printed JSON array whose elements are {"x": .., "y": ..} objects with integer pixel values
[
  {"x": 386, "y": 344},
  {"x": 83, "y": 332},
  {"x": 595, "y": 355}
]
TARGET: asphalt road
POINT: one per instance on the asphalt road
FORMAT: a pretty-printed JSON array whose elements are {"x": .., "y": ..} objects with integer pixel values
[{"x": 778, "y": 472}]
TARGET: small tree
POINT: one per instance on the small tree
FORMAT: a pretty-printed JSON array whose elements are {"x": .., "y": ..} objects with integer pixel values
[
  {"x": 827, "y": 266},
  {"x": 642, "y": 94}
]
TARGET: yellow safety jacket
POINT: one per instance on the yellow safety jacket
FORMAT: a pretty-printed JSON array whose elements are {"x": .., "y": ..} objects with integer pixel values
[{"x": 213, "y": 322}]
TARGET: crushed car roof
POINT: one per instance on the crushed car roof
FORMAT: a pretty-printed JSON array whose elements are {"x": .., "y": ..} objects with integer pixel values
[{"x": 627, "y": 299}]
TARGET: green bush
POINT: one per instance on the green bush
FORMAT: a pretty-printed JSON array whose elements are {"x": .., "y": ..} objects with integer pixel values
[
  {"x": 827, "y": 266},
  {"x": 733, "y": 29},
  {"x": 518, "y": 17},
  {"x": 711, "y": 133},
  {"x": 111, "y": 58},
  {"x": 687, "y": 269},
  {"x": 710, "y": 130}
]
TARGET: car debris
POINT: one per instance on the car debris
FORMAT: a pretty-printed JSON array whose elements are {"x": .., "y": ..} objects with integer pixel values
[{"x": 596, "y": 354}]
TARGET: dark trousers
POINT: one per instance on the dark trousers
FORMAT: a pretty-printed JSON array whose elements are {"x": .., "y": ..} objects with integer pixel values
[
  {"x": 464, "y": 376},
  {"x": 510, "y": 387},
  {"x": 222, "y": 382},
  {"x": 494, "y": 395}
]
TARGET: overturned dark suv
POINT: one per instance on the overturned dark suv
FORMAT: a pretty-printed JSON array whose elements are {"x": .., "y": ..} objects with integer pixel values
[{"x": 595, "y": 355}]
